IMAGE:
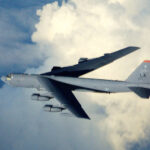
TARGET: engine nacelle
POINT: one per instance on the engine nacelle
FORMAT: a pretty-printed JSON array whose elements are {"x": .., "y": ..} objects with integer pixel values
[
  {"x": 55, "y": 68},
  {"x": 52, "y": 108},
  {"x": 81, "y": 60},
  {"x": 38, "y": 97}
]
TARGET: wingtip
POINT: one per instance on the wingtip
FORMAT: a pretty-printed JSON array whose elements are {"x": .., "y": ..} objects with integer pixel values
[
  {"x": 87, "y": 117},
  {"x": 134, "y": 47}
]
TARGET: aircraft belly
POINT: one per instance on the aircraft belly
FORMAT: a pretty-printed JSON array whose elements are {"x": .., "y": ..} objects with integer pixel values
[
  {"x": 97, "y": 85},
  {"x": 110, "y": 86},
  {"x": 103, "y": 88}
]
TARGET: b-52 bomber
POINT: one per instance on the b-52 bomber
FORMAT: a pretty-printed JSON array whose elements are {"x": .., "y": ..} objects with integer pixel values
[{"x": 60, "y": 82}]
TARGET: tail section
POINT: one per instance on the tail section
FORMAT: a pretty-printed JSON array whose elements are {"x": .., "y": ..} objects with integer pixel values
[{"x": 141, "y": 74}]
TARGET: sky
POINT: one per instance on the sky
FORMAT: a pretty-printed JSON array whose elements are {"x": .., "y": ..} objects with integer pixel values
[{"x": 36, "y": 35}]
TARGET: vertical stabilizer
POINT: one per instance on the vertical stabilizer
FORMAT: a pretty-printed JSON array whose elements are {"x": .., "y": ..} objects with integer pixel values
[{"x": 141, "y": 74}]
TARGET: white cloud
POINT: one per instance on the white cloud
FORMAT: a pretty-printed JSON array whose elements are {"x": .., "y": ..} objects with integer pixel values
[
  {"x": 89, "y": 29},
  {"x": 24, "y": 125},
  {"x": 132, "y": 7}
]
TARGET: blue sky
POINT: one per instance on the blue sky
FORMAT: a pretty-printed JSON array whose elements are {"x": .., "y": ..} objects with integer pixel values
[
  {"x": 18, "y": 18},
  {"x": 23, "y": 4}
]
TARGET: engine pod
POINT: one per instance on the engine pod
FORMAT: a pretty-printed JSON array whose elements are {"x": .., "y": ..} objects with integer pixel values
[
  {"x": 51, "y": 108},
  {"x": 38, "y": 97}
]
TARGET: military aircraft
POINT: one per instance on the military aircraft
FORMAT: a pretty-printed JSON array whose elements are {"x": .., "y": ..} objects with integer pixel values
[{"x": 61, "y": 81}]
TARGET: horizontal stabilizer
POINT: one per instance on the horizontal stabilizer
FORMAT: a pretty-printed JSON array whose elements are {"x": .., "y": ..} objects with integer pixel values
[{"x": 142, "y": 92}]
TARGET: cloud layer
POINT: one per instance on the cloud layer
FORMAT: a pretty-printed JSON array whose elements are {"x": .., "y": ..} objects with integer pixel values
[
  {"x": 63, "y": 35},
  {"x": 90, "y": 29}
]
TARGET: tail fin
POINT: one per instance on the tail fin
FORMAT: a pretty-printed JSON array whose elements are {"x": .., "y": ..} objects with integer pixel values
[{"x": 141, "y": 74}]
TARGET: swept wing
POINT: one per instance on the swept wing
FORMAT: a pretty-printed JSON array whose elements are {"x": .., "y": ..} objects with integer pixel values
[
  {"x": 65, "y": 96},
  {"x": 89, "y": 65}
]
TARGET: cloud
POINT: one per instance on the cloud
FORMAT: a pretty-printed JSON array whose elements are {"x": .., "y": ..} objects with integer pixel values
[
  {"x": 90, "y": 29},
  {"x": 25, "y": 126},
  {"x": 23, "y": 123},
  {"x": 63, "y": 35}
]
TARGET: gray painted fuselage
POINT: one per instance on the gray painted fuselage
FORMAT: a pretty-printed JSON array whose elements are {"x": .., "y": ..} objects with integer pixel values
[
  {"x": 83, "y": 84},
  {"x": 23, "y": 80},
  {"x": 99, "y": 85}
]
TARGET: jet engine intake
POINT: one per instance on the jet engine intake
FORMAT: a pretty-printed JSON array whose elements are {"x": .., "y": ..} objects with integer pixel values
[
  {"x": 52, "y": 108},
  {"x": 38, "y": 97}
]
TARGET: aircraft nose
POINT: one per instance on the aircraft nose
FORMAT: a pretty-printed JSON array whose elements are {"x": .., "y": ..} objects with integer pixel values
[{"x": 3, "y": 78}]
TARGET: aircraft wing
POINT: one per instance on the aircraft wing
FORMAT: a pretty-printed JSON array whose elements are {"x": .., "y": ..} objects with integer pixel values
[
  {"x": 87, "y": 65},
  {"x": 65, "y": 96}
]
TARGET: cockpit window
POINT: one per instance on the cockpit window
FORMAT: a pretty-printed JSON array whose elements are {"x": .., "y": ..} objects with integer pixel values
[{"x": 9, "y": 77}]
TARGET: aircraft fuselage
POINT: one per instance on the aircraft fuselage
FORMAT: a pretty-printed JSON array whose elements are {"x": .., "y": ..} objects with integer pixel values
[{"x": 80, "y": 84}]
